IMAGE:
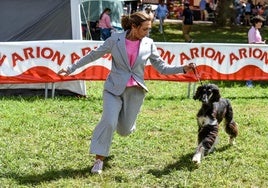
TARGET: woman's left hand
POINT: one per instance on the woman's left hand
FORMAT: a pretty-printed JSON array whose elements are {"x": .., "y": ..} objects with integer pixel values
[
  {"x": 189, "y": 67},
  {"x": 64, "y": 72}
]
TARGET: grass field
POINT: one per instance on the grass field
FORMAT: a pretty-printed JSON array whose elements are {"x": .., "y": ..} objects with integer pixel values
[
  {"x": 44, "y": 142},
  {"x": 205, "y": 33}
]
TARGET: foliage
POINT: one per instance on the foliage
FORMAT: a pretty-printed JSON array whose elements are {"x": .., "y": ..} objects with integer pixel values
[{"x": 225, "y": 13}]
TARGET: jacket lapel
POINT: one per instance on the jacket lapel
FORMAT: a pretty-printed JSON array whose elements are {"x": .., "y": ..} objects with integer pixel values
[
  {"x": 142, "y": 44},
  {"x": 122, "y": 48}
]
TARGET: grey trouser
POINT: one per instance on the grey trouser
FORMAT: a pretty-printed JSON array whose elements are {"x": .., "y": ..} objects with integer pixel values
[{"x": 120, "y": 114}]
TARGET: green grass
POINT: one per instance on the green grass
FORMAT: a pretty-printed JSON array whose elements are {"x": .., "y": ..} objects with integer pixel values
[
  {"x": 44, "y": 142},
  {"x": 205, "y": 33}
]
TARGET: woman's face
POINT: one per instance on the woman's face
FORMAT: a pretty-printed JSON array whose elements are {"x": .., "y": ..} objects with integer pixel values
[
  {"x": 258, "y": 25},
  {"x": 142, "y": 30}
]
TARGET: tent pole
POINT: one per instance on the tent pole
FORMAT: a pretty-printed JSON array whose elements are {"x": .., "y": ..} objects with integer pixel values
[
  {"x": 88, "y": 28},
  {"x": 46, "y": 90},
  {"x": 53, "y": 90}
]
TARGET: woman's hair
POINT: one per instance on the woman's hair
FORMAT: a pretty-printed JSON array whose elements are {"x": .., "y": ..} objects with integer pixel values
[
  {"x": 105, "y": 10},
  {"x": 136, "y": 19},
  {"x": 257, "y": 19}
]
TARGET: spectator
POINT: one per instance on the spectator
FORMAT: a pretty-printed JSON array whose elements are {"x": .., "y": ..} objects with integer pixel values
[
  {"x": 254, "y": 36},
  {"x": 265, "y": 14},
  {"x": 187, "y": 22},
  {"x": 248, "y": 12},
  {"x": 203, "y": 11},
  {"x": 148, "y": 11},
  {"x": 105, "y": 24},
  {"x": 94, "y": 30},
  {"x": 161, "y": 13}
]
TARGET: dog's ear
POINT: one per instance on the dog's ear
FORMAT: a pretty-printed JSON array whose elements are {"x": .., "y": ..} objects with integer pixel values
[
  {"x": 198, "y": 93},
  {"x": 216, "y": 93}
]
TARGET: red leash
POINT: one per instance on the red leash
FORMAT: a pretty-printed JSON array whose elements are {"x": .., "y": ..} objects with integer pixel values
[{"x": 197, "y": 74}]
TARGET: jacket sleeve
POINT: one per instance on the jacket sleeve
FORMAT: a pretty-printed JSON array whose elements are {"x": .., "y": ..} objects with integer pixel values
[
  {"x": 160, "y": 65},
  {"x": 92, "y": 55}
]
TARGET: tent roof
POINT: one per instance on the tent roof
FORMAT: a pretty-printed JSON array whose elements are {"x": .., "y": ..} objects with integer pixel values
[{"x": 35, "y": 20}]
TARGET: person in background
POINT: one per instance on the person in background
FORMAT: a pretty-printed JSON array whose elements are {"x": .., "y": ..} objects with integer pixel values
[
  {"x": 187, "y": 22},
  {"x": 105, "y": 24},
  {"x": 161, "y": 13},
  {"x": 124, "y": 88},
  {"x": 203, "y": 11},
  {"x": 94, "y": 30},
  {"x": 265, "y": 14},
  {"x": 254, "y": 36},
  {"x": 248, "y": 12},
  {"x": 148, "y": 10}
]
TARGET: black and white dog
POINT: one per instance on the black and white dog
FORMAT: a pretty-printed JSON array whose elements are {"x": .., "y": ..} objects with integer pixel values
[{"x": 214, "y": 109}]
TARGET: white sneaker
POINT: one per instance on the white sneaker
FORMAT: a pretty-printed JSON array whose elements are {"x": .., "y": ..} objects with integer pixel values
[{"x": 97, "y": 167}]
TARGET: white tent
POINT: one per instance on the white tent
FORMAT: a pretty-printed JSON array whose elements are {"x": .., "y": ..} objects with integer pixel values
[{"x": 30, "y": 20}]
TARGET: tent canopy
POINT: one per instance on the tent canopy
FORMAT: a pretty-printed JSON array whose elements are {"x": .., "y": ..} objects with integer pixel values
[{"x": 33, "y": 20}]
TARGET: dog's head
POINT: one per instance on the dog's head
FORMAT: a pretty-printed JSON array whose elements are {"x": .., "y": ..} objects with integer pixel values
[{"x": 207, "y": 93}]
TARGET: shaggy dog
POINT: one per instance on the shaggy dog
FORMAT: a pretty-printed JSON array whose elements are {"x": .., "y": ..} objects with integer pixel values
[{"x": 214, "y": 109}]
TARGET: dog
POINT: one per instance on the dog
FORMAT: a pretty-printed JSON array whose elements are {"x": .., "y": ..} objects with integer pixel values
[{"x": 214, "y": 109}]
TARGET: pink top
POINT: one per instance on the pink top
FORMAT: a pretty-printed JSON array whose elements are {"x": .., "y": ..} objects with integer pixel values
[
  {"x": 132, "y": 53},
  {"x": 254, "y": 36},
  {"x": 105, "y": 21}
]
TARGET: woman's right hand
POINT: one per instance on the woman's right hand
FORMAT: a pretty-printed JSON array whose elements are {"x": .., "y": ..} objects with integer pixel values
[{"x": 64, "y": 72}]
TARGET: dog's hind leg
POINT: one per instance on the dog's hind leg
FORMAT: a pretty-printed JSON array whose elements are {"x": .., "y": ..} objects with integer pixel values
[
  {"x": 230, "y": 125},
  {"x": 232, "y": 131}
]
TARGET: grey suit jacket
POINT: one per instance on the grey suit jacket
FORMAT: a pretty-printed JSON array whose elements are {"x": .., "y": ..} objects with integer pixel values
[{"x": 120, "y": 70}]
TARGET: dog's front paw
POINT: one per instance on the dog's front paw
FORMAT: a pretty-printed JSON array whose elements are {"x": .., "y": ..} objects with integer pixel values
[
  {"x": 197, "y": 158},
  {"x": 198, "y": 155}
]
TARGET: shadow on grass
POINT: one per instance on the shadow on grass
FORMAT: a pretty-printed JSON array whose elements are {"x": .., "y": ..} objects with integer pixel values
[
  {"x": 184, "y": 163},
  {"x": 53, "y": 175}
]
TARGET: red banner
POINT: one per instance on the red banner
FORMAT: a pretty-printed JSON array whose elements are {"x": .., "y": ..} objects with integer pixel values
[{"x": 39, "y": 61}]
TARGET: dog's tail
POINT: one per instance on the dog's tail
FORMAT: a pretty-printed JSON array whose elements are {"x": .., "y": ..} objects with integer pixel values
[{"x": 230, "y": 124}]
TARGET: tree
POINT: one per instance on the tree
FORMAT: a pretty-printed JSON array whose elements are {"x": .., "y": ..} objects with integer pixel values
[{"x": 225, "y": 13}]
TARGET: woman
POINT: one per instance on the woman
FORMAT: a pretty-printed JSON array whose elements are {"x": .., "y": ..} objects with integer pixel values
[
  {"x": 254, "y": 36},
  {"x": 105, "y": 24},
  {"x": 124, "y": 89}
]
